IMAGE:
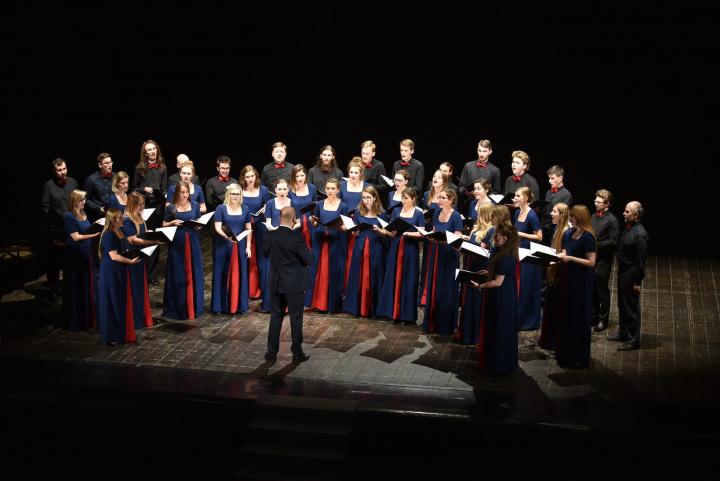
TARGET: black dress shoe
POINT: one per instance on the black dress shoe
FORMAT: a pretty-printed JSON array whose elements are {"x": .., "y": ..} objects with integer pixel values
[
  {"x": 601, "y": 326},
  {"x": 618, "y": 338},
  {"x": 301, "y": 358},
  {"x": 628, "y": 346},
  {"x": 270, "y": 357}
]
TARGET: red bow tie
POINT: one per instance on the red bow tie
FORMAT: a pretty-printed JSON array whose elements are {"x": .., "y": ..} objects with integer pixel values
[
  {"x": 224, "y": 179},
  {"x": 628, "y": 226},
  {"x": 554, "y": 190},
  {"x": 516, "y": 178},
  {"x": 369, "y": 166},
  {"x": 405, "y": 163},
  {"x": 280, "y": 165},
  {"x": 106, "y": 176},
  {"x": 482, "y": 165},
  {"x": 154, "y": 166},
  {"x": 600, "y": 213}
]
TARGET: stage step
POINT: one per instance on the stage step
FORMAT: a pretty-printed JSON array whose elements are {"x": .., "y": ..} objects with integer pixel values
[{"x": 295, "y": 439}]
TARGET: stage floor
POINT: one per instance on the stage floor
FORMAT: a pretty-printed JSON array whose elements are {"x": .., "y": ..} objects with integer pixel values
[{"x": 400, "y": 367}]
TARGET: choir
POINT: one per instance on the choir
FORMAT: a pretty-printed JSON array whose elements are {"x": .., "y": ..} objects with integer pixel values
[{"x": 367, "y": 261}]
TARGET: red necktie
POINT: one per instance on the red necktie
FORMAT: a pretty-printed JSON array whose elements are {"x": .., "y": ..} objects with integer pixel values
[
  {"x": 600, "y": 213},
  {"x": 106, "y": 176},
  {"x": 554, "y": 190},
  {"x": 628, "y": 226},
  {"x": 224, "y": 179},
  {"x": 280, "y": 166},
  {"x": 405, "y": 163},
  {"x": 516, "y": 178},
  {"x": 482, "y": 165},
  {"x": 153, "y": 166}
]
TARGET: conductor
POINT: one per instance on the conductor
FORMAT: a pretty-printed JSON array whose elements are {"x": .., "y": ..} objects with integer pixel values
[{"x": 287, "y": 282}]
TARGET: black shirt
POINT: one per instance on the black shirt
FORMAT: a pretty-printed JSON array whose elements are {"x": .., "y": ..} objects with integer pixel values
[
  {"x": 416, "y": 170},
  {"x": 54, "y": 201},
  {"x": 562, "y": 195},
  {"x": 270, "y": 175},
  {"x": 607, "y": 233},
  {"x": 319, "y": 177},
  {"x": 632, "y": 251},
  {"x": 526, "y": 180},
  {"x": 372, "y": 174},
  {"x": 471, "y": 172},
  {"x": 155, "y": 178},
  {"x": 214, "y": 187},
  {"x": 98, "y": 190}
]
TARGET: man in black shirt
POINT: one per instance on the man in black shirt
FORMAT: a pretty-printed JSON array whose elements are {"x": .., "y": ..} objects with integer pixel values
[
  {"x": 373, "y": 169},
  {"x": 631, "y": 255},
  {"x": 557, "y": 193},
  {"x": 98, "y": 187},
  {"x": 53, "y": 204},
  {"x": 277, "y": 169},
  {"x": 481, "y": 168},
  {"x": 215, "y": 186},
  {"x": 415, "y": 168},
  {"x": 325, "y": 168},
  {"x": 607, "y": 233}
]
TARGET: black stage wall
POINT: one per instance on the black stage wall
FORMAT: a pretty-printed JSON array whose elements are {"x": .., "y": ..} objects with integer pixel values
[{"x": 621, "y": 97}]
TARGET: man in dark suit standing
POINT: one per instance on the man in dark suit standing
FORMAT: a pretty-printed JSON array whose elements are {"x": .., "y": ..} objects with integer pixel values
[{"x": 288, "y": 280}]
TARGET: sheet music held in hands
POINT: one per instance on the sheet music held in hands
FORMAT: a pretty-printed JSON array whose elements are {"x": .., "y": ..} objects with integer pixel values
[
  {"x": 400, "y": 226},
  {"x": 466, "y": 277},
  {"x": 200, "y": 222},
  {"x": 500, "y": 199},
  {"x": 163, "y": 234},
  {"x": 474, "y": 249},
  {"x": 442, "y": 236},
  {"x": 96, "y": 226},
  {"x": 538, "y": 254},
  {"x": 146, "y": 213},
  {"x": 388, "y": 180},
  {"x": 352, "y": 226},
  {"x": 142, "y": 252},
  {"x": 237, "y": 238},
  {"x": 259, "y": 212}
]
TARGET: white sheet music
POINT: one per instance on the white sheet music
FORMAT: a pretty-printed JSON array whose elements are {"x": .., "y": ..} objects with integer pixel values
[
  {"x": 474, "y": 248},
  {"x": 148, "y": 250},
  {"x": 146, "y": 213},
  {"x": 168, "y": 231},
  {"x": 383, "y": 224},
  {"x": 347, "y": 222},
  {"x": 388, "y": 180}
]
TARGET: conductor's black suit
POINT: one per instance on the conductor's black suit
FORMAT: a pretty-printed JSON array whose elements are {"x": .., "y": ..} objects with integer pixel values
[{"x": 287, "y": 282}]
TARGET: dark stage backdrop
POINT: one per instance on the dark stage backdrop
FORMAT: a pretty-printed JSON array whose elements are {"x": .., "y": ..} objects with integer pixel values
[{"x": 622, "y": 98}]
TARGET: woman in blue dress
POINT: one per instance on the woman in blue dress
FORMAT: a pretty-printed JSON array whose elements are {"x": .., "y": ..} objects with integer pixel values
[
  {"x": 272, "y": 222},
  {"x": 578, "y": 257},
  {"x": 114, "y": 295},
  {"x": 553, "y": 306},
  {"x": 481, "y": 190},
  {"x": 351, "y": 194},
  {"x": 398, "y": 298},
  {"x": 497, "y": 338},
  {"x": 184, "y": 283},
  {"x": 527, "y": 224},
  {"x": 230, "y": 279},
  {"x": 471, "y": 299},
  {"x": 327, "y": 273},
  {"x": 395, "y": 197},
  {"x": 120, "y": 184},
  {"x": 187, "y": 172},
  {"x": 134, "y": 228},
  {"x": 302, "y": 194},
  {"x": 255, "y": 196},
  {"x": 438, "y": 185},
  {"x": 367, "y": 264},
  {"x": 442, "y": 291},
  {"x": 79, "y": 283}
]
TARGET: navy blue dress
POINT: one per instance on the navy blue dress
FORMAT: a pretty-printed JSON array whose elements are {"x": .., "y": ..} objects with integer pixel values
[
  {"x": 301, "y": 201},
  {"x": 327, "y": 273},
  {"x": 441, "y": 289},
  {"x": 257, "y": 268},
  {"x": 398, "y": 298},
  {"x": 230, "y": 279},
  {"x": 114, "y": 319},
  {"x": 142, "y": 315},
  {"x": 470, "y": 298},
  {"x": 272, "y": 213},
  {"x": 497, "y": 344},
  {"x": 183, "y": 297},
  {"x": 196, "y": 196},
  {"x": 79, "y": 281},
  {"x": 367, "y": 271},
  {"x": 530, "y": 276},
  {"x": 574, "y": 336},
  {"x": 391, "y": 202},
  {"x": 350, "y": 199},
  {"x": 114, "y": 202}
]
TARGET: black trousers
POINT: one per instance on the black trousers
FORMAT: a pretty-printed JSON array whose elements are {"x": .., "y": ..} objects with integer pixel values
[
  {"x": 628, "y": 307},
  {"x": 295, "y": 304},
  {"x": 601, "y": 296}
]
